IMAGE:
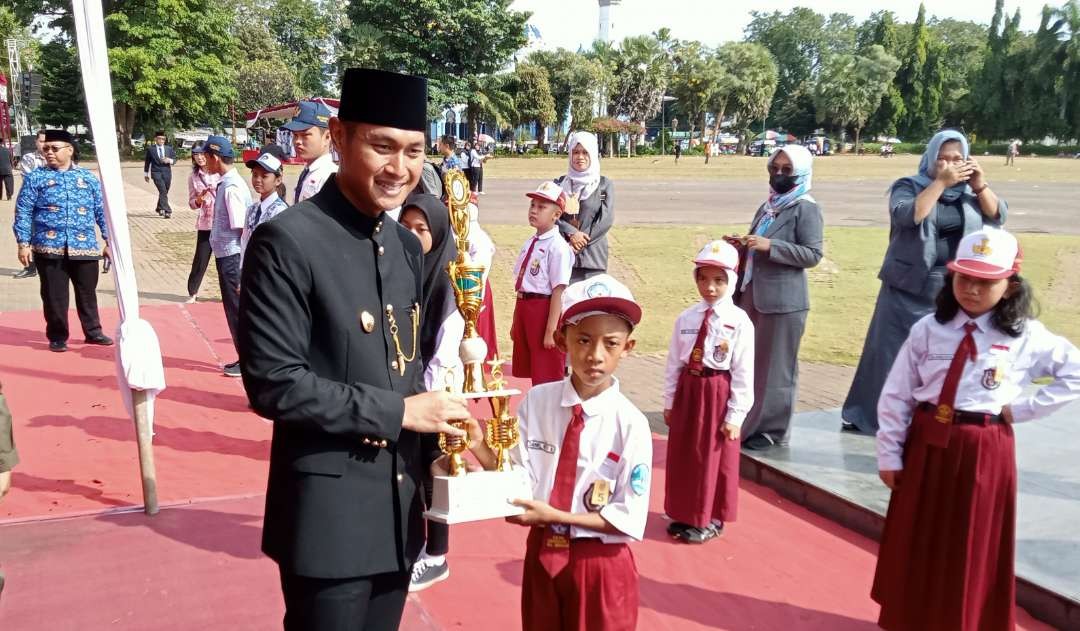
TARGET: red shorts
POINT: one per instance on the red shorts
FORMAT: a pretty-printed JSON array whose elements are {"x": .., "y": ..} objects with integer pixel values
[
  {"x": 597, "y": 591},
  {"x": 531, "y": 359}
]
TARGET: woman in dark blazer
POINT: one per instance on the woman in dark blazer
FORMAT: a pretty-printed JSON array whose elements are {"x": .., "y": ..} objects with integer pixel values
[
  {"x": 930, "y": 212},
  {"x": 595, "y": 195},
  {"x": 786, "y": 238}
]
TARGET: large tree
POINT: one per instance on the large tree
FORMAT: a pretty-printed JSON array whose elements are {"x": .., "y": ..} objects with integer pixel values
[
  {"x": 62, "y": 100},
  {"x": 1065, "y": 27},
  {"x": 796, "y": 40},
  {"x": 303, "y": 30},
  {"x": 575, "y": 84},
  {"x": 920, "y": 82},
  {"x": 491, "y": 100},
  {"x": 447, "y": 41},
  {"x": 749, "y": 86},
  {"x": 850, "y": 87},
  {"x": 533, "y": 101},
  {"x": 640, "y": 74},
  {"x": 697, "y": 78},
  {"x": 881, "y": 30},
  {"x": 965, "y": 45}
]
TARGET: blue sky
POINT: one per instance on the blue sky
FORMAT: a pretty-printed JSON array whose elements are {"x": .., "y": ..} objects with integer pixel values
[{"x": 568, "y": 23}]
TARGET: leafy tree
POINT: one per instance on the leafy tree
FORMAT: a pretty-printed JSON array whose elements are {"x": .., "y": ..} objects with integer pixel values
[
  {"x": 533, "y": 101},
  {"x": 490, "y": 99},
  {"x": 920, "y": 82},
  {"x": 796, "y": 41},
  {"x": 447, "y": 41},
  {"x": 642, "y": 69},
  {"x": 62, "y": 100},
  {"x": 1066, "y": 30},
  {"x": 881, "y": 30},
  {"x": 697, "y": 77},
  {"x": 575, "y": 83},
  {"x": 839, "y": 36},
  {"x": 965, "y": 43},
  {"x": 988, "y": 93},
  {"x": 748, "y": 91},
  {"x": 302, "y": 28},
  {"x": 850, "y": 87},
  {"x": 264, "y": 82}
]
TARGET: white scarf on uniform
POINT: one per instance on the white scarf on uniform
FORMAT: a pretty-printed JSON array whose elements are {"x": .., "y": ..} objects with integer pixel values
[{"x": 583, "y": 183}]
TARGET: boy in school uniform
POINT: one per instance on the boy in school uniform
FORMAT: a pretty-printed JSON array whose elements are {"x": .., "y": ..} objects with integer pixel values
[
  {"x": 541, "y": 273},
  {"x": 708, "y": 391},
  {"x": 588, "y": 452}
]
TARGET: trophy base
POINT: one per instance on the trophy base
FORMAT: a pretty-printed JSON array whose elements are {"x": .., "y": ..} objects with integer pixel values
[{"x": 477, "y": 496}]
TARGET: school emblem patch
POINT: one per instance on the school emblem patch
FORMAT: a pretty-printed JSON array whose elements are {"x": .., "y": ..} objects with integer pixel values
[
  {"x": 639, "y": 479},
  {"x": 597, "y": 290},
  {"x": 696, "y": 355},
  {"x": 720, "y": 352},
  {"x": 534, "y": 269},
  {"x": 991, "y": 379}
]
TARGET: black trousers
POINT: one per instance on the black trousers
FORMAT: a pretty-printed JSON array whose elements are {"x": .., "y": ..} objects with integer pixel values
[
  {"x": 7, "y": 185},
  {"x": 199, "y": 262},
  {"x": 228, "y": 272},
  {"x": 55, "y": 274},
  {"x": 438, "y": 533},
  {"x": 163, "y": 181},
  {"x": 478, "y": 175},
  {"x": 470, "y": 174},
  {"x": 368, "y": 603}
]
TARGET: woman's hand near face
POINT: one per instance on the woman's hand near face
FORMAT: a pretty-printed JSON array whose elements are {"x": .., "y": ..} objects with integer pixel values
[
  {"x": 977, "y": 179},
  {"x": 952, "y": 173}
]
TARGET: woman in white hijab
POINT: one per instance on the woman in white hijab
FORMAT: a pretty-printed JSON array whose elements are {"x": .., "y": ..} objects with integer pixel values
[
  {"x": 786, "y": 238},
  {"x": 590, "y": 212}
]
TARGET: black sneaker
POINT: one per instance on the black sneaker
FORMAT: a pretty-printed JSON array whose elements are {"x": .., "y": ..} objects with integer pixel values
[
  {"x": 28, "y": 272},
  {"x": 760, "y": 442},
  {"x": 677, "y": 527},
  {"x": 99, "y": 340},
  {"x": 699, "y": 535},
  {"x": 232, "y": 370},
  {"x": 58, "y": 347},
  {"x": 425, "y": 574}
]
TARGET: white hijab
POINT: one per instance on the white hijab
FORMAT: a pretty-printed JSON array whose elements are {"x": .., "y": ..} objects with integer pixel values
[{"x": 582, "y": 183}]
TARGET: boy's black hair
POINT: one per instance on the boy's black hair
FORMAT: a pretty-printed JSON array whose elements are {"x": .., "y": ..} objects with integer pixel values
[{"x": 1009, "y": 314}]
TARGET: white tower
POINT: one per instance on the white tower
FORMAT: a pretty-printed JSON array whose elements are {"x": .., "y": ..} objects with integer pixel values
[{"x": 608, "y": 27}]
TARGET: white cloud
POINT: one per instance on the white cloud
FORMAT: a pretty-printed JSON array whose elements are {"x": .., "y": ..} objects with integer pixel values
[{"x": 572, "y": 23}]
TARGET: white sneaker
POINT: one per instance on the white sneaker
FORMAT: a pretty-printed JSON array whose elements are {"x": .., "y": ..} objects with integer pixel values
[
  {"x": 190, "y": 300},
  {"x": 426, "y": 573}
]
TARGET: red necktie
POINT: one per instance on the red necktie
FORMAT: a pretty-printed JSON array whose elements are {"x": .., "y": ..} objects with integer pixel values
[
  {"x": 555, "y": 547},
  {"x": 964, "y": 352},
  {"x": 696, "y": 364},
  {"x": 525, "y": 264}
]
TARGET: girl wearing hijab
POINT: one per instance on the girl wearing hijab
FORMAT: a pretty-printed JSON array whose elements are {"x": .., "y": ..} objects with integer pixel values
[
  {"x": 785, "y": 240},
  {"x": 594, "y": 195},
  {"x": 441, "y": 330},
  {"x": 930, "y": 212}
]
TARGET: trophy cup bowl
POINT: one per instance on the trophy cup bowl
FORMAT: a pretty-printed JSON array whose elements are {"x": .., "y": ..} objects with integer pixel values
[{"x": 468, "y": 283}]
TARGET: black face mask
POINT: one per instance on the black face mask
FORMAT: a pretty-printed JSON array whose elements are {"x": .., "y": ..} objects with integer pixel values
[{"x": 781, "y": 183}]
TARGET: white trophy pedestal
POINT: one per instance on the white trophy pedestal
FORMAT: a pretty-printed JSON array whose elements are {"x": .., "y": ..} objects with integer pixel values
[{"x": 478, "y": 495}]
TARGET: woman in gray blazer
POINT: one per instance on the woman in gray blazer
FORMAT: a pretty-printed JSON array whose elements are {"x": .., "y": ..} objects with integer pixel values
[
  {"x": 587, "y": 231},
  {"x": 786, "y": 238},
  {"x": 930, "y": 212}
]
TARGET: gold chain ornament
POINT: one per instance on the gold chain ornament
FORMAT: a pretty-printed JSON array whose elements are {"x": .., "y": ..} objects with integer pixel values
[{"x": 401, "y": 358}]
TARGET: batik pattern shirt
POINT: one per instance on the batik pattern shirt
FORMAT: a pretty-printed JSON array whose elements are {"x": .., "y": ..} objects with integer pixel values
[{"x": 56, "y": 211}]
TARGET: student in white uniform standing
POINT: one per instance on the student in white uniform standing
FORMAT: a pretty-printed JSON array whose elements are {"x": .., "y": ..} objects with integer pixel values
[
  {"x": 311, "y": 138},
  {"x": 588, "y": 452},
  {"x": 708, "y": 390},
  {"x": 946, "y": 447}
]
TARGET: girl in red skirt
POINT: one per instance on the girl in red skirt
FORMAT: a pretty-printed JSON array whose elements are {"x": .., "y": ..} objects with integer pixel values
[
  {"x": 708, "y": 390},
  {"x": 945, "y": 443}
]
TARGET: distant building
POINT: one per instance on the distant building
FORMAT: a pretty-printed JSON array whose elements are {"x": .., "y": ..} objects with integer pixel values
[{"x": 608, "y": 27}]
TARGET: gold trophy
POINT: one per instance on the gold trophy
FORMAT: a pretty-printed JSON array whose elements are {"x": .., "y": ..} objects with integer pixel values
[
  {"x": 458, "y": 497},
  {"x": 467, "y": 279}
]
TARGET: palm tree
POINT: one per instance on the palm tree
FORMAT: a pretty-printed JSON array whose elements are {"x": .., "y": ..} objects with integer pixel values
[
  {"x": 489, "y": 100},
  {"x": 1066, "y": 29}
]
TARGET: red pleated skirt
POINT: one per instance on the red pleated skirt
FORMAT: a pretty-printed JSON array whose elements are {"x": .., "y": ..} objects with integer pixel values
[
  {"x": 485, "y": 323},
  {"x": 946, "y": 556},
  {"x": 702, "y": 480}
]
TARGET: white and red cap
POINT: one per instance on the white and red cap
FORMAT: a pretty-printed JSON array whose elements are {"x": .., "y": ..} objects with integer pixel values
[
  {"x": 599, "y": 295},
  {"x": 550, "y": 192},
  {"x": 988, "y": 253},
  {"x": 718, "y": 253}
]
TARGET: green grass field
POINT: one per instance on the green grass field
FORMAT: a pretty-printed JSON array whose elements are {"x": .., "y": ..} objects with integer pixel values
[{"x": 655, "y": 263}]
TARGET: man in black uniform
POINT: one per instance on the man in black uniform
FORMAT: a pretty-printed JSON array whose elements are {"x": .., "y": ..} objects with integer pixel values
[
  {"x": 158, "y": 166},
  {"x": 328, "y": 352}
]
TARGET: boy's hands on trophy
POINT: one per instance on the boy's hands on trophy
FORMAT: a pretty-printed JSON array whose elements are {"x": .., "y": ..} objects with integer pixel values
[
  {"x": 441, "y": 466},
  {"x": 475, "y": 431},
  {"x": 428, "y": 413},
  {"x": 537, "y": 513}
]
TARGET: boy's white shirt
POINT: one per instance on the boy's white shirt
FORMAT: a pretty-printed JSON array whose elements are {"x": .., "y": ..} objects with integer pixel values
[
  {"x": 447, "y": 358},
  {"x": 615, "y": 445},
  {"x": 729, "y": 327},
  {"x": 319, "y": 171},
  {"x": 919, "y": 371},
  {"x": 549, "y": 266}
]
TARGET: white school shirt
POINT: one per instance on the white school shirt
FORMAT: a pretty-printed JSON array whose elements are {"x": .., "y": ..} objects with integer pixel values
[
  {"x": 615, "y": 445},
  {"x": 923, "y": 361},
  {"x": 550, "y": 265},
  {"x": 446, "y": 362},
  {"x": 318, "y": 172},
  {"x": 729, "y": 345}
]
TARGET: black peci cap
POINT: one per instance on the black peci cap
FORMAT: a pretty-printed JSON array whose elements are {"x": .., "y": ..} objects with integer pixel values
[
  {"x": 60, "y": 135},
  {"x": 388, "y": 99}
]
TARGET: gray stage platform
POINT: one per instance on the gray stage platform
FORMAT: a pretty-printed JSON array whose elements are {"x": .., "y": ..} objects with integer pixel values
[{"x": 836, "y": 473}]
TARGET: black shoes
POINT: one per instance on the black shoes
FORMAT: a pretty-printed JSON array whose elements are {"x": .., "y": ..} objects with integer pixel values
[
  {"x": 99, "y": 340},
  {"x": 28, "y": 272},
  {"x": 232, "y": 370},
  {"x": 58, "y": 347},
  {"x": 698, "y": 536}
]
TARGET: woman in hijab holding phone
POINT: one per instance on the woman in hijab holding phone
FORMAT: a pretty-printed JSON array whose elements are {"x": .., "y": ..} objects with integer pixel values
[
  {"x": 930, "y": 212},
  {"x": 786, "y": 238},
  {"x": 594, "y": 195}
]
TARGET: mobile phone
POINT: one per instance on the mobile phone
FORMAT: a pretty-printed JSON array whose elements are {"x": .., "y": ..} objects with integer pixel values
[{"x": 106, "y": 266}]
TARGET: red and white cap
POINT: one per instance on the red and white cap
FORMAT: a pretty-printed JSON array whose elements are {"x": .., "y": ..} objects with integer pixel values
[
  {"x": 549, "y": 192},
  {"x": 988, "y": 253},
  {"x": 718, "y": 253},
  {"x": 598, "y": 295}
]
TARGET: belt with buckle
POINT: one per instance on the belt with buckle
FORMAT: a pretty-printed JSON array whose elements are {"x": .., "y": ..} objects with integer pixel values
[
  {"x": 527, "y": 295},
  {"x": 961, "y": 417}
]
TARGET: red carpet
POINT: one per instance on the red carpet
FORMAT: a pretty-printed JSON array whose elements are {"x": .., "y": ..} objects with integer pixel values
[{"x": 198, "y": 565}]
